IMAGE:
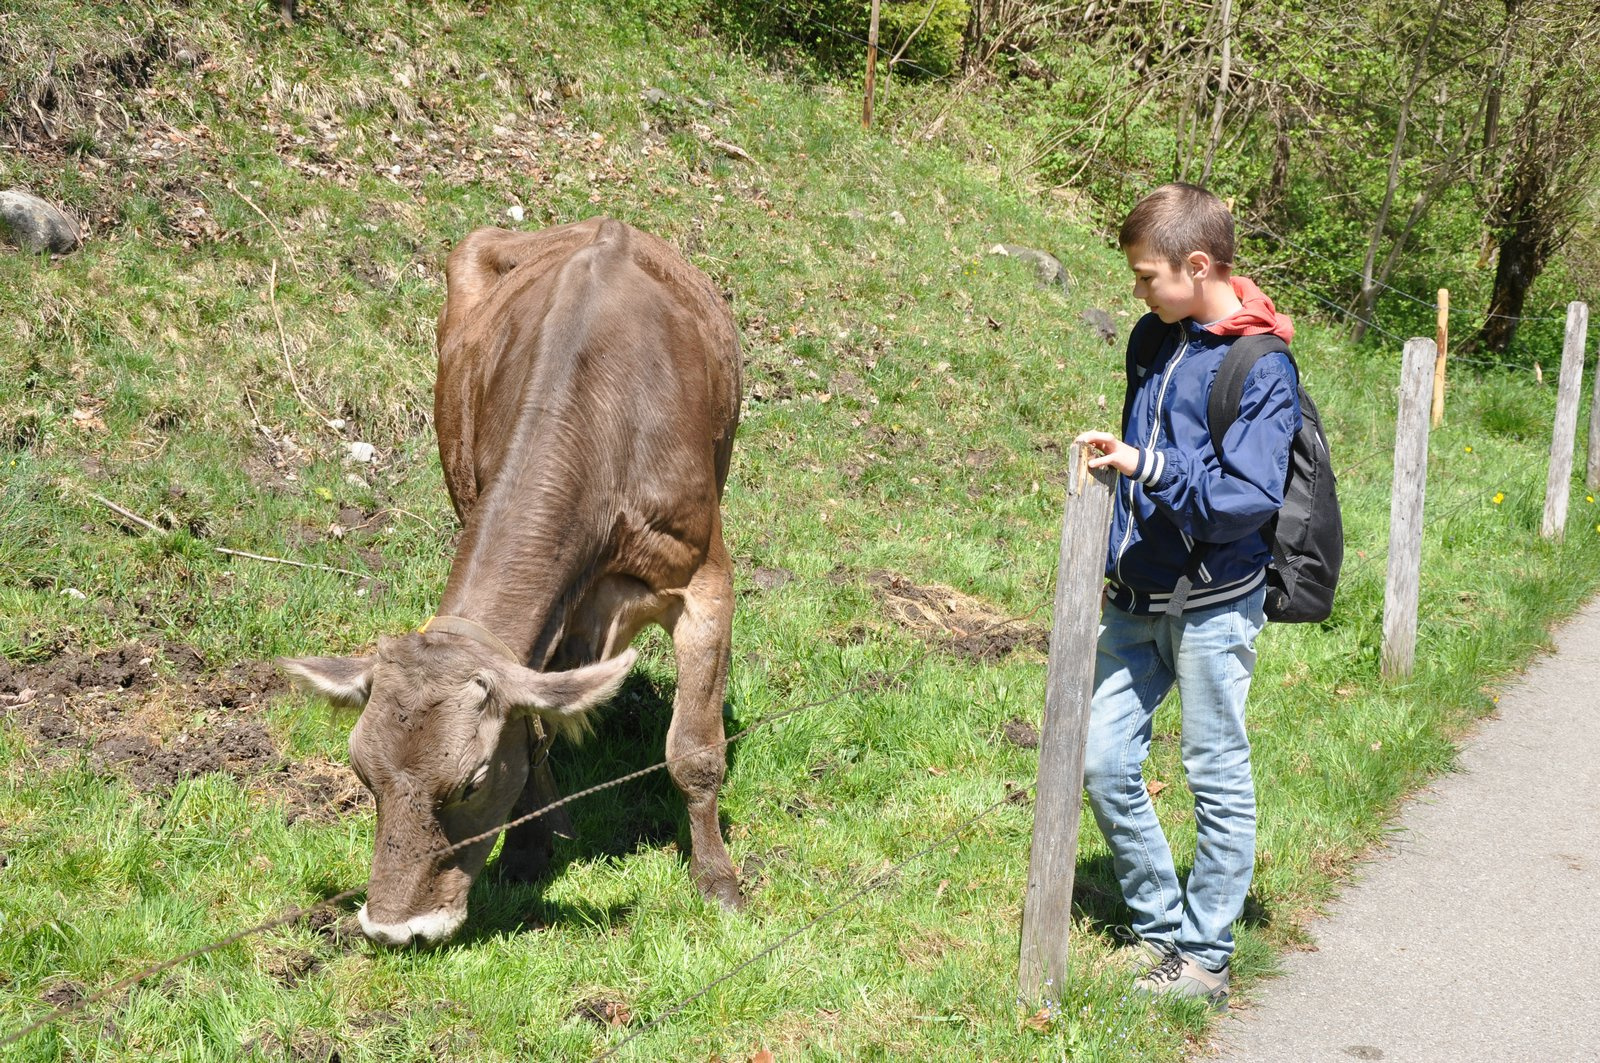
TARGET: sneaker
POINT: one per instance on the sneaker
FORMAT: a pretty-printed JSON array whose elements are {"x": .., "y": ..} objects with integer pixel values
[
  {"x": 1181, "y": 975},
  {"x": 1139, "y": 954}
]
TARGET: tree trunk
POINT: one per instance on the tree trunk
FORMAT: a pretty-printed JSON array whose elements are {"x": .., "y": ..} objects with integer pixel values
[
  {"x": 1527, "y": 224},
  {"x": 1520, "y": 263},
  {"x": 1369, "y": 288},
  {"x": 1222, "y": 90}
]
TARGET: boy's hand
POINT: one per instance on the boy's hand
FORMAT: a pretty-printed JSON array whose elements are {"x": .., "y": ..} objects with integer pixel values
[{"x": 1113, "y": 452}]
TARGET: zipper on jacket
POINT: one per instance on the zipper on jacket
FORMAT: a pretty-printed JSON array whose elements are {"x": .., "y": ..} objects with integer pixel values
[{"x": 1155, "y": 435}]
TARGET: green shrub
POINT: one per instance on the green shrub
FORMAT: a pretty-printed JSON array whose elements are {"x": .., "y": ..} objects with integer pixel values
[{"x": 832, "y": 33}]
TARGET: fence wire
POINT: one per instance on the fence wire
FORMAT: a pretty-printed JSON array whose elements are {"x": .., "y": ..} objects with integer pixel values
[
  {"x": 876, "y": 882},
  {"x": 295, "y": 915},
  {"x": 1150, "y": 180}
]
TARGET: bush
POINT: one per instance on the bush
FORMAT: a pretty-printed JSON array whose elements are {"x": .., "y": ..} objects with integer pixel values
[{"x": 832, "y": 33}]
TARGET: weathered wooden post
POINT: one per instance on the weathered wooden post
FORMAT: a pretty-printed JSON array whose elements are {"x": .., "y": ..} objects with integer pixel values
[
  {"x": 1592, "y": 480},
  {"x": 1565, "y": 438},
  {"x": 1403, "y": 585},
  {"x": 872, "y": 66},
  {"x": 1069, "y": 684},
  {"x": 1443, "y": 343}
]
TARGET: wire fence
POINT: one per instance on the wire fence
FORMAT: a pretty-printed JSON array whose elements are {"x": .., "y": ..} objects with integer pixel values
[
  {"x": 882, "y": 878},
  {"x": 1256, "y": 226},
  {"x": 876, "y": 882},
  {"x": 297, "y": 914},
  {"x": 1146, "y": 180}
]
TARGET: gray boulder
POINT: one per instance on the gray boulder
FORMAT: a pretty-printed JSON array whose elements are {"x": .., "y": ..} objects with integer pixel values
[
  {"x": 35, "y": 225},
  {"x": 1101, "y": 322},
  {"x": 1046, "y": 266}
]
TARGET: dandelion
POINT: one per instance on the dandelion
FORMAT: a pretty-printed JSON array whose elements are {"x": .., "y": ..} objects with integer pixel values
[
  {"x": 1587, "y": 498},
  {"x": 1467, "y": 448},
  {"x": 1499, "y": 497}
]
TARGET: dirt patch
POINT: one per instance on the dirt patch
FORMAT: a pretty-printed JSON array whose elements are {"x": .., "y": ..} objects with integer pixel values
[
  {"x": 62, "y": 994},
  {"x": 955, "y": 622},
  {"x": 1022, "y": 734},
  {"x": 154, "y": 714},
  {"x": 770, "y": 579},
  {"x": 304, "y": 1046},
  {"x": 602, "y": 1011},
  {"x": 290, "y": 969}
]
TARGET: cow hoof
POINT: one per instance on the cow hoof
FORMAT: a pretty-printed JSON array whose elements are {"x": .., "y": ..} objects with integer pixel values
[{"x": 725, "y": 893}]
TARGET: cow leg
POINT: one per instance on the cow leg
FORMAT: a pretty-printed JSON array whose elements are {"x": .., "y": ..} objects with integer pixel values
[{"x": 701, "y": 638}]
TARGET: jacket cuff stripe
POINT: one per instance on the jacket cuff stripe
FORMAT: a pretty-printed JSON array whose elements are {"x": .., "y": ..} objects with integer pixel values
[{"x": 1151, "y": 464}]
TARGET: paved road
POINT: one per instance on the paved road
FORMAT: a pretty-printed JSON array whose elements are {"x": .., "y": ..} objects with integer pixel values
[{"x": 1473, "y": 937}]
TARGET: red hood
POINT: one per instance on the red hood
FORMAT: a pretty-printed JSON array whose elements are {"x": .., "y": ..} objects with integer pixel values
[{"x": 1256, "y": 318}]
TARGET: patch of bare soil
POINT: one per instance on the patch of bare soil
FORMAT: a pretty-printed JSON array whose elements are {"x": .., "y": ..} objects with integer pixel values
[
  {"x": 603, "y": 1011},
  {"x": 1022, "y": 734},
  {"x": 153, "y": 714},
  {"x": 955, "y": 622}
]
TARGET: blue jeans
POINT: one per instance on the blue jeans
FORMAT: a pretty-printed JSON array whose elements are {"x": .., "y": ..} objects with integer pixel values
[{"x": 1210, "y": 653}]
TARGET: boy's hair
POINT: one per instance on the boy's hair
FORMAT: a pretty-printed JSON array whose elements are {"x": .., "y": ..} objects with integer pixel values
[{"x": 1178, "y": 219}]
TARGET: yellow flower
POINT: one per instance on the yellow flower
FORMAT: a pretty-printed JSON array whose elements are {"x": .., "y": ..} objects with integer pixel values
[
  {"x": 1468, "y": 449},
  {"x": 1499, "y": 497},
  {"x": 1587, "y": 498}
]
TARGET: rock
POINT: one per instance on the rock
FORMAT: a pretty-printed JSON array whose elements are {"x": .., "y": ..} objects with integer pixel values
[
  {"x": 38, "y": 226},
  {"x": 361, "y": 452},
  {"x": 655, "y": 97},
  {"x": 1101, "y": 322},
  {"x": 515, "y": 213},
  {"x": 1046, "y": 266}
]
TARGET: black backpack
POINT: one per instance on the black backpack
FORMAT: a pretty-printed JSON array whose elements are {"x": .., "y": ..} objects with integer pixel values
[{"x": 1307, "y": 534}]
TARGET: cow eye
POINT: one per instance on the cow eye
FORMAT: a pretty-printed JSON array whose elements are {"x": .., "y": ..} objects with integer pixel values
[{"x": 474, "y": 784}]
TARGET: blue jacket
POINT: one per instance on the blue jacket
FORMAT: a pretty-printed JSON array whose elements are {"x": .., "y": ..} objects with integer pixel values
[{"x": 1183, "y": 492}]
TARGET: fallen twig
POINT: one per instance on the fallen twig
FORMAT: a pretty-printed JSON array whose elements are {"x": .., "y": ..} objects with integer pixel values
[
  {"x": 129, "y": 514},
  {"x": 283, "y": 341},
  {"x": 251, "y": 204},
  {"x": 286, "y": 561},
  {"x": 125, "y": 512}
]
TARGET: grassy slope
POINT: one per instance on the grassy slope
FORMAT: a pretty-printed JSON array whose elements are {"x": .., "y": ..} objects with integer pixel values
[{"x": 922, "y": 458}]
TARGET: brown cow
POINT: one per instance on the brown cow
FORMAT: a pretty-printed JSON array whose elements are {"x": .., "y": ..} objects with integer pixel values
[{"x": 586, "y": 403}]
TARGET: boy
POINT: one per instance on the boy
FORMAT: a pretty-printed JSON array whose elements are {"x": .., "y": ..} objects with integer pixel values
[{"x": 1177, "y": 492}]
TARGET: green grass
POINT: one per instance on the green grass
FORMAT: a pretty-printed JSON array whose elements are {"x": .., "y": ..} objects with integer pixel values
[{"x": 909, "y": 400}]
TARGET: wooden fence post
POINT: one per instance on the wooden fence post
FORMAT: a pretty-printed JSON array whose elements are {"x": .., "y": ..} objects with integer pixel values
[
  {"x": 1565, "y": 438},
  {"x": 1592, "y": 480},
  {"x": 1443, "y": 343},
  {"x": 872, "y": 67},
  {"x": 1058, "y": 799},
  {"x": 1403, "y": 585}
]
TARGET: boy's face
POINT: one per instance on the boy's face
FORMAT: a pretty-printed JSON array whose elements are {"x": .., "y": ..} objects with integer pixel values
[{"x": 1173, "y": 293}]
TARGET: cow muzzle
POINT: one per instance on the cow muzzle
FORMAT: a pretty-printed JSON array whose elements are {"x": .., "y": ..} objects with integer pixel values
[{"x": 430, "y": 928}]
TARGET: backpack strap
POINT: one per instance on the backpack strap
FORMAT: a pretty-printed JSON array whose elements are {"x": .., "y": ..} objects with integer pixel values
[
  {"x": 1144, "y": 343},
  {"x": 1222, "y": 410},
  {"x": 1227, "y": 390}
]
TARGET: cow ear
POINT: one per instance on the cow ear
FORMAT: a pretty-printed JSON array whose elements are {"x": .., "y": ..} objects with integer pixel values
[
  {"x": 344, "y": 681},
  {"x": 563, "y": 699}
]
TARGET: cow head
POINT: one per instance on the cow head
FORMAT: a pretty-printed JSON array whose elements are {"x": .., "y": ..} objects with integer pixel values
[{"x": 443, "y": 743}]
